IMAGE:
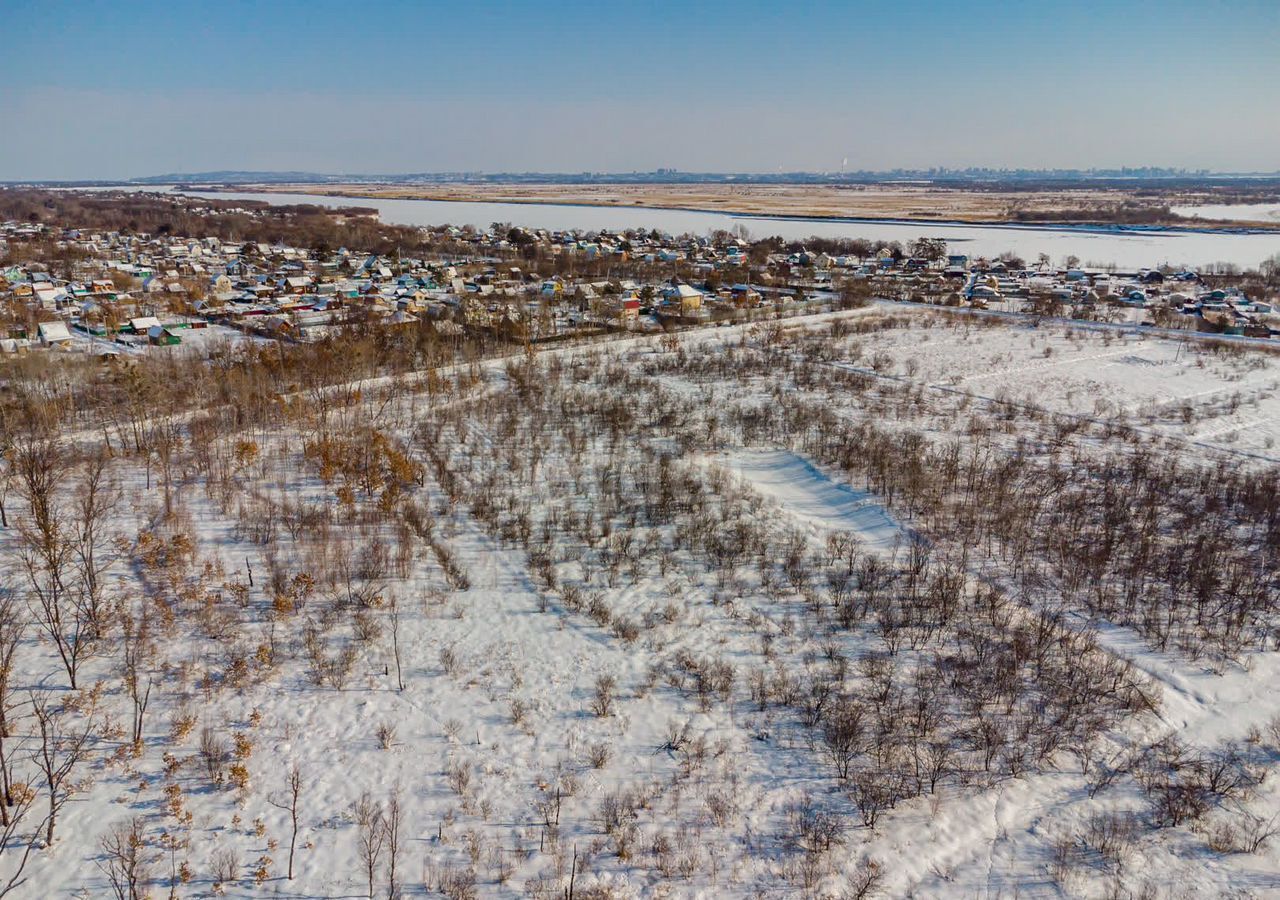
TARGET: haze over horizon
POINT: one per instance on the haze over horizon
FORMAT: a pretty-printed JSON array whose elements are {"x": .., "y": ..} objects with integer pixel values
[{"x": 142, "y": 88}]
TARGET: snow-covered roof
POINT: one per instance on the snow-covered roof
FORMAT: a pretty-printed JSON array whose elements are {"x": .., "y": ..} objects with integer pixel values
[{"x": 54, "y": 331}]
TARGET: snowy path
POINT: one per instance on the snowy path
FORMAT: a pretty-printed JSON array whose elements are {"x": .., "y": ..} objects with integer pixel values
[{"x": 813, "y": 500}]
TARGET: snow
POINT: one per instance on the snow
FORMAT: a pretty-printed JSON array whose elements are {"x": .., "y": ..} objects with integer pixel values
[
  {"x": 1187, "y": 390},
  {"x": 1239, "y": 212},
  {"x": 802, "y": 492},
  {"x": 517, "y": 644}
]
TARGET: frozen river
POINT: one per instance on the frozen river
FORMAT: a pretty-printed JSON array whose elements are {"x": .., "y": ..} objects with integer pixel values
[{"x": 1126, "y": 250}]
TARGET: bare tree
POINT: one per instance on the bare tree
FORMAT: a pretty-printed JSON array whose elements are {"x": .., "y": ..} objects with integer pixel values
[
  {"x": 164, "y": 441},
  {"x": 842, "y": 735},
  {"x": 124, "y": 862},
  {"x": 47, "y": 554},
  {"x": 6, "y": 479},
  {"x": 289, "y": 803},
  {"x": 136, "y": 652},
  {"x": 392, "y": 820},
  {"x": 371, "y": 837},
  {"x": 12, "y": 625},
  {"x": 395, "y": 641},
  {"x": 96, "y": 495},
  {"x": 62, "y": 748},
  {"x": 16, "y": 845}
]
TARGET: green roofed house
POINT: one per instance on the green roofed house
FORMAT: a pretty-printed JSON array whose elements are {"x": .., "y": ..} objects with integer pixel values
[{"x": 162, "y": 337}]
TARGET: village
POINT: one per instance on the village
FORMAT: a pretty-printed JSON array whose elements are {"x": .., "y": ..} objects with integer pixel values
[{"x": 111, "y": 292}]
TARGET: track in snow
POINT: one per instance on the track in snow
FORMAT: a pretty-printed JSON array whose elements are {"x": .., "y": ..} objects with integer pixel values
[{"x": 814, "y": 500}]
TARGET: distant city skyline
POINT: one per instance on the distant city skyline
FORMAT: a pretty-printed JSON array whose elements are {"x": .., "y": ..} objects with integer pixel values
[
  {"x": 935, "y": 175},
  {"x": 134, "y": 89}
]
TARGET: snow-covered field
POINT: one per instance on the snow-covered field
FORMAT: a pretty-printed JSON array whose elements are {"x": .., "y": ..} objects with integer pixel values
[
  {"x": 1201, "y": 391},
  {"x": 641, "y": 619},
  {"x": 1241, "y": 212}
]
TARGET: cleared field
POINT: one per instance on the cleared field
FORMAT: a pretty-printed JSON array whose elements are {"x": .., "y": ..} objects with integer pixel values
[{"x": 1195, "y": 390}]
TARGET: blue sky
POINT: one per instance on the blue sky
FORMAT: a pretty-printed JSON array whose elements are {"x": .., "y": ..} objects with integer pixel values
[{"x": 99, "y": 90}]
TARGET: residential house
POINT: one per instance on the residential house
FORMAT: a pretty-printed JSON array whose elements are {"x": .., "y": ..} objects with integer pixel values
[{"x": 54, "y": 334}]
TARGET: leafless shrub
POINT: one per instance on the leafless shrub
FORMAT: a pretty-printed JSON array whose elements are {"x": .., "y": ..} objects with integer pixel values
[
  {"x": 663, "y": 849},
  {"x": 721, "y": 807},
  {"x": 226, "y": 866},
  {"x": 707, "y": 678},
  {"x": 1112, "y": 836},
  {"x": 875, "y": 791},
  {"x": 814, "y": 830},
  {"x": 458, "y": 775},
  {"x": 214, "y": 753},
  {"x": 599, "y": 611},
  {"x": 626, "y": 629},
  {"x": 124, "y": 862},
  {"x": 618, "y": 809},
  {"x": 571, "y": 597},
  {"x": 1244, "y": 832},
  {"x": 501, "y": 865},
  {"x": 366, "y": 626},
  {"x": 1183, "y": 786},
  {"x": 328, "y": 668},
  {"x": 64, "y": 735},
  {"x": 1257, "y": 831},
  {"x": 1222, "y": 837},
  {"x": 1273, "y": 733},
  {"x": 602, "y": 699},
  {"x": 598, "y": 754},
  {"x": 457, "y": 883},
  {"x": 449, "y": 661},
  {"x": 865, "y": 881},
  {"x": 678, "y": 736},
  {"x": 547, "y": 804},
  {"x": 1064, "y": 858}
]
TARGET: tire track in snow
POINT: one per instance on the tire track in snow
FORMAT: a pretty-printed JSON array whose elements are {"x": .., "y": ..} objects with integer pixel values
[{"x": 1065, "y": 361}]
